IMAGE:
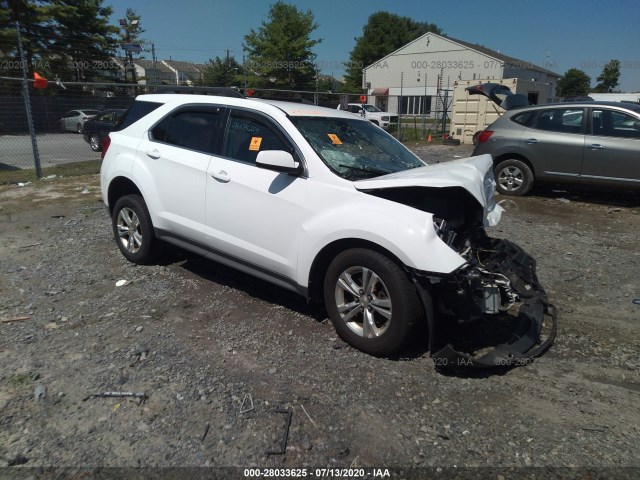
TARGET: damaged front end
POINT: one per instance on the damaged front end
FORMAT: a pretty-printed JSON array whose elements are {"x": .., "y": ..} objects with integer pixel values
[{"x": 498, "y": 277}]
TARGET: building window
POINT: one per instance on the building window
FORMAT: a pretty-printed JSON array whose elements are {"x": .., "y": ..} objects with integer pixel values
[{"x": 415, "y": 105}]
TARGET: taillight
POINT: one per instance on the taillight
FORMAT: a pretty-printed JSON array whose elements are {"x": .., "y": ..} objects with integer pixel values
[
  {"x": 484, "y": 135},
  {"x": 106, "y": 141}
]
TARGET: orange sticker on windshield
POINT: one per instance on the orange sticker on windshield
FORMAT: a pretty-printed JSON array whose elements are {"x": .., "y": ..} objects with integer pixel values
[
  {"x": 255, "y": 143},
  {"x": 334, "y": 139}
]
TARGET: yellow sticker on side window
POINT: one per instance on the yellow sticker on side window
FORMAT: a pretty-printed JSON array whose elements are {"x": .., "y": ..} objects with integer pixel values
[
  {"x": 255, "y": 144},
  {"x": 334, "y": 139}
]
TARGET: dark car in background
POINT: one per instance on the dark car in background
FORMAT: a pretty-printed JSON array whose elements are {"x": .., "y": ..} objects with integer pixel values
[
  {"x": 74, "y": 120},
  {"x": 99, "y": 127},
  {"x": 586, "y": 143}
]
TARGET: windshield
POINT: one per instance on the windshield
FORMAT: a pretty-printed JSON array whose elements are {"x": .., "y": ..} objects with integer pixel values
[
  {"x": 355, "y": 149},
  {"x": 371, "y": 108}
]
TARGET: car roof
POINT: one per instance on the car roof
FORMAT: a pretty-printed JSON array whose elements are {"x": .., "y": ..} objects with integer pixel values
[
  {"x": 290, "y": 108},
  {"x": 593, "y": 104}
]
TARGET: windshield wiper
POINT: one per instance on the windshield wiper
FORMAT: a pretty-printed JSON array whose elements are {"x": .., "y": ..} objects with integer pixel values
[{"x": 365, "y": 169}]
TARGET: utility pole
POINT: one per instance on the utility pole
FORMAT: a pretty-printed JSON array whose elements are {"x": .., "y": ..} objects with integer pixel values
[
  {"x": 226, "y": 76},
  {"x": 27, "y": 104},
  {"x": 155, "y": 68}
]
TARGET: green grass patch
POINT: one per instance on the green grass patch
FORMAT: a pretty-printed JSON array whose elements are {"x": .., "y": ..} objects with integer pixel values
[
  {"x": 20, "y": 380},
  {"x": 62, "y": 170}
]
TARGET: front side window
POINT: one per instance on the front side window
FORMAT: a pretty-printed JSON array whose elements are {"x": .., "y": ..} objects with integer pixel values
[
  {"x": 612, "y": 123},
  {"x": 195, "y": 129},
  {"x": 355, "y": 149},
  {"x": 565, "y": 120},
  {"x": 248, "y": 134}
]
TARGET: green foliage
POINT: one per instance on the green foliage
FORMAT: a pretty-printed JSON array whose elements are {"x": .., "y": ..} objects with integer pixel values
[
  {"x": 608, "y": 79},
  {"x": 221, "y": 72},
  {"x": 279, "y": 52},
  {"x": 383, "y": 33},
  {"x": 574, "y": 82},
  {"x": 66, "y": 39}
]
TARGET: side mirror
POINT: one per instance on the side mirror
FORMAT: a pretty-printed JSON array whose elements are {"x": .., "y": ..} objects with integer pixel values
[{"x": 279, "y": 161}]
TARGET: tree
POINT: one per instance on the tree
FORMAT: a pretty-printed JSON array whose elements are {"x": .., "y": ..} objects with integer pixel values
[
  {"x": 222, "y": 72},
  {"x": 383, "y": 33},
  {"x": 35, "y": 32},
  {"x": 608, "y": 79},
  {"x": 84, "y": 40},
  {"x": 279, "y": 52},
  {"x": 574, "y": 82}
]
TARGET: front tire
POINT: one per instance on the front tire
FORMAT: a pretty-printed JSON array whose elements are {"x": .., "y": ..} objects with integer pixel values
[
  {"x": 513, "y": 177},
  {"x": 133, "y": 230},
  {"x": 371, "y": 302}
]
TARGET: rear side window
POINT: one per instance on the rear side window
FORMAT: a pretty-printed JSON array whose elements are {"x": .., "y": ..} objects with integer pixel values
[
  {"x": 565, "y": 120},
  {"x": 524, "y": 118},
  {"x": 136, "y": 111},
  {"x": 195, "y": 129}
]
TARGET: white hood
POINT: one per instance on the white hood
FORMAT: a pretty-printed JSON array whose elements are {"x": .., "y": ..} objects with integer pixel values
[{"x": 474, "y": 174}]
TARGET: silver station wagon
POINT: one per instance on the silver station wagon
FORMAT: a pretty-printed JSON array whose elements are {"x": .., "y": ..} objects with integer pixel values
[{"x": 586, "y": 143}]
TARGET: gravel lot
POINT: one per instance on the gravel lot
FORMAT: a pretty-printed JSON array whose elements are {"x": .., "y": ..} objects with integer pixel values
[{"x": 206, "y": 344}]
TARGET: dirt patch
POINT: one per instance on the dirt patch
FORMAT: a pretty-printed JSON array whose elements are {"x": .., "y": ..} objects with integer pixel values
[{"x": 202, "y": 340}]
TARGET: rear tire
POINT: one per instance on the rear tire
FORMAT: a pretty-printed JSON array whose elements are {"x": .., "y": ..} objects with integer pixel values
[
  {"x": 513, "y": 177},
  {"x": 371, "y": 302},
  {"x": 133, "y": 230},
  {"x": 94, "y": 142},
  {"x": 79, "y": 128}
]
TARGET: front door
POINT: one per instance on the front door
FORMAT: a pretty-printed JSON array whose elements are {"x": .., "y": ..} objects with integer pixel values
[{"x": 255, "y": 215}]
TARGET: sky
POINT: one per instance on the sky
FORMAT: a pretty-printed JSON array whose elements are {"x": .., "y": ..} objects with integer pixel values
[{"x": 568, "y": 33}]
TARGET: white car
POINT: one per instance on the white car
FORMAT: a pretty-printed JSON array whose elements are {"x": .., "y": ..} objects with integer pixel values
[
  {"x": 316, "y": 201},
  {"x": 372, "y": 113}
]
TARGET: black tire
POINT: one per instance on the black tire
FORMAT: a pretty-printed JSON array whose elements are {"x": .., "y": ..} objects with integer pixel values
[
  {"x": 133, "y": 230},
  {"x": 513, "y": 177},
  {"x": 79, "y": 128},
  {"x": 382, "y": 336},
  {"x": 94, "y": 142}
]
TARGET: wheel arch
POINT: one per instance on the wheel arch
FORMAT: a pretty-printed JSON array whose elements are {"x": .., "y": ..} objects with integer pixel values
[
  {"x": 119, "y": 187},
  {"x": 328, "y": 253},
  {"x": 514, "y": 156}
]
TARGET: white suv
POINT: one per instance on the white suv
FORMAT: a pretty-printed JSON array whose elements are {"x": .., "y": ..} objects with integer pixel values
[
  {"x": 372, "y": 113},
  {"x": 316, "y": 201}
]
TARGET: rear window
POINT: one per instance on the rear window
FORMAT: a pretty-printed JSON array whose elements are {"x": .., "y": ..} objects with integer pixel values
[{"x": 136, "y": 111}]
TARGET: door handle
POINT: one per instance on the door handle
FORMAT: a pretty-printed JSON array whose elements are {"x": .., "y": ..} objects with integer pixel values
[
  {"x": 532, "y": 141},
  {"x": 221, "y": 176},
  {"x": 596, "y": 146},
  {"x": 153, "y": 153}
]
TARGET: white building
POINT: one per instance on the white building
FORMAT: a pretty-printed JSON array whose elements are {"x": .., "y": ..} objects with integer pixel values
[{"x": 423, "y": 72}]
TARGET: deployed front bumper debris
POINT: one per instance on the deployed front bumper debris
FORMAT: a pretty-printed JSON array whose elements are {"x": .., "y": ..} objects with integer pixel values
[{"x": 499, "y": 276}]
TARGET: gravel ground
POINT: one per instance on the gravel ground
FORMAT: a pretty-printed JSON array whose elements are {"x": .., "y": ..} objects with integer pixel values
[{"x": 218, "y": 352}]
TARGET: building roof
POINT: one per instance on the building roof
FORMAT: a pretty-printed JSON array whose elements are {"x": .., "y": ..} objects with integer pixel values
[
  {"x": 508, "y": 60},
  {"x": 187, "y": 67},
  {"x": 149, "y": 65}
]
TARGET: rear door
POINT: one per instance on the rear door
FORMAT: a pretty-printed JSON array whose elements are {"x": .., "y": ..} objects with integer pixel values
[
  {"x": 554, "y": 144},
  {"x": 176, "y": 156},
  {"x": 612, "y": 150}
]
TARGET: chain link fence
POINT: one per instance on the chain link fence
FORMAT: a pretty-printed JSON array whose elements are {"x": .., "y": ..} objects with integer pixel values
[
  {"x": 60, "y": 144},
  {"x": 58, "y": 115}
]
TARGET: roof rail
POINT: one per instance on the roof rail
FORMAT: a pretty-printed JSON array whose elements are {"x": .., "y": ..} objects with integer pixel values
[{"x": 219, "y": 91}]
